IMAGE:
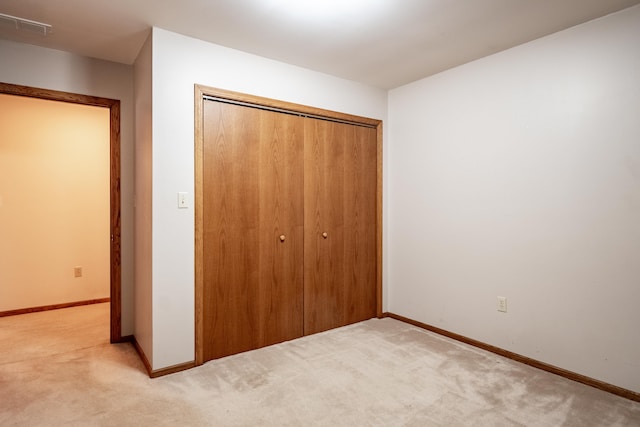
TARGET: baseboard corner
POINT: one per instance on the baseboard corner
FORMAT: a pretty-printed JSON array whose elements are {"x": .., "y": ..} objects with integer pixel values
[
  {"x": 141, "y": 354},
  {"x": 172, "y": 369}
]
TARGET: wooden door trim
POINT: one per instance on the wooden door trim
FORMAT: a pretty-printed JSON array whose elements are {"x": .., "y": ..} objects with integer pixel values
[
  {"x": 379, "y": 184},
  {"x": 286, "y": 107},
  {"x": 115, "y": 222},
  {"x": 200, "y": 92},
  {"x": 199, "y": 223}
]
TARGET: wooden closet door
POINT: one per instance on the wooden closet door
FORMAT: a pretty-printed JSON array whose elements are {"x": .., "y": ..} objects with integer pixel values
[
  {"x": 360, "y": 225},
  {"x": 340, "y": 224},
  {"x": 252, "y": 228}
]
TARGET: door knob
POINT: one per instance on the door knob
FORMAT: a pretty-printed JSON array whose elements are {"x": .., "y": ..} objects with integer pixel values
[
  {"x": 282, "y": 237},
  {"x": 325, "y": 235}
]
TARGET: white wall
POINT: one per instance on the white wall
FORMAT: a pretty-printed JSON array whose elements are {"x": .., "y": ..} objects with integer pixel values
[
  {"x": 54, "y": 202},
  {"x": 143, "y": 203},
  {"x": 519, "y": 175},
  {"x": 34, "y": 66},
  {"x": 180, "y": 62}
]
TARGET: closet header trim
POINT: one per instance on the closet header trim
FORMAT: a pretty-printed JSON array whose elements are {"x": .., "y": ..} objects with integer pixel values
[{"x": 285, "y": 111}]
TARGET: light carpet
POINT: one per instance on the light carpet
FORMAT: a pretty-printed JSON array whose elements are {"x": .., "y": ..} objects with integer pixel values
[{"x": 57, "y": 368}]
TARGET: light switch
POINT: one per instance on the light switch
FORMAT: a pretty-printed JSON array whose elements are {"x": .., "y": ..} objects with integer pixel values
[{"x": 182, "y": 200}]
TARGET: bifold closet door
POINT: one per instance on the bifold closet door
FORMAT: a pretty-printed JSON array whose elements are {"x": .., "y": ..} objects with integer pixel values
[
  {"x": 252, "y": 228},
  {"x": 340, "y": 224}
]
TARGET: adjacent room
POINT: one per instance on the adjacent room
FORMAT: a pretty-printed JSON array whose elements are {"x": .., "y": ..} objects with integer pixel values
[
  {"x": 326, "y": 213},
  {"x": 55, "y": 203}
]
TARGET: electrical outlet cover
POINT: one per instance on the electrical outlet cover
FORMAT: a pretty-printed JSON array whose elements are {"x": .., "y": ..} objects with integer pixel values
[{"x": 502, "y": 304}]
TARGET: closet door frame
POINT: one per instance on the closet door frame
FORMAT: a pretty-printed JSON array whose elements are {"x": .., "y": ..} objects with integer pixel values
[{"x": 200, "y": 94}]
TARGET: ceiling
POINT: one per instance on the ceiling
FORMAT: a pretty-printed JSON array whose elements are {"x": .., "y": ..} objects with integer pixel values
[{"x": 382, "y": 43}]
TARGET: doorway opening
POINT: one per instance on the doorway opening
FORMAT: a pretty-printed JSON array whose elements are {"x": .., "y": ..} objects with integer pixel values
[{"x": 113, "y": 106}]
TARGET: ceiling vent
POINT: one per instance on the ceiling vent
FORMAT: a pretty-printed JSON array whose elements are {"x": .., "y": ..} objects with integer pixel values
[{"x": 25, "y": 24}]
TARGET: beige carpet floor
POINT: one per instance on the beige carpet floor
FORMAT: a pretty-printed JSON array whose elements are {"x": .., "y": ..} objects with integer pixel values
[{"x": 57, "y": 368}]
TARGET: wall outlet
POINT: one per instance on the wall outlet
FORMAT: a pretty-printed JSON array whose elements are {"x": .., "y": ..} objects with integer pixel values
[
  {"x": 502, "y": 304},
  {"x": 77, "y": 271}
]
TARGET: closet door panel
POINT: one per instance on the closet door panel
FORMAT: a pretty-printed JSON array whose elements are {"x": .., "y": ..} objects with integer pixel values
[
  {"x": 340, "y": 224},
  {"x": 360, "y": 220},
  {"x": 253, "y": 187},
  {"x": 324, "y": 206},
  {"x": 230, "y": 213},
  {"x": 281, "y": 225}
]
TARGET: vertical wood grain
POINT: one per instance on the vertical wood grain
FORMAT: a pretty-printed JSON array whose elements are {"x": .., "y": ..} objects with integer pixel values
[
  {"x": 333, "y": 186},
  {"x": 230, "y": 229},
  {"x": 323, "y": 210},
  {"x": 379, "y": 184},
  {"x": 116, "y": 241},
  {"x": 360, "y": 220},
  {"x": 199, "y": 225},
  {"x": 252, "y": 195},
  {"x": 281, "y": 214},
  {"x": 340, "y": 200}
]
